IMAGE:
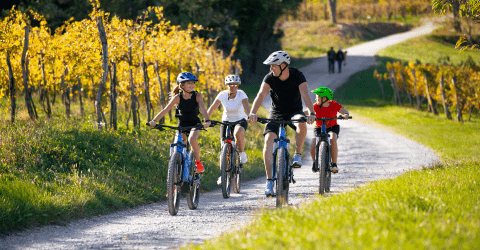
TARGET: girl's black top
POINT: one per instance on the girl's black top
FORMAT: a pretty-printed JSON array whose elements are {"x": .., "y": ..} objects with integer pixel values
[{"x": 187, "y": 110}]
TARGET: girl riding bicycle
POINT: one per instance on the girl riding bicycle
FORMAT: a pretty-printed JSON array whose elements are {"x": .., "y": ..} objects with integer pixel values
[
  {"x": 189, "y": 102},
  {"x": 235, "y": 108},
  {"x": 325, "y": 107}
]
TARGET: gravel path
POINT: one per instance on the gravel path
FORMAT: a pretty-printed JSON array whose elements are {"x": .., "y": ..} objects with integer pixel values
[{"x": 366, "y": 153}]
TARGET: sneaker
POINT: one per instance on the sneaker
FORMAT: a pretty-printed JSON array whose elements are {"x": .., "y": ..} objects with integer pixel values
[
  {"x": 219, "y": 181},
  {"x": 200, "y": 168},
  {"x": 334, "y": 168},
  {"x": 269, "y": 189},
  {"x": 297, "y": 160},
  {"x": 243, "y": 157},
  {"x": 314, "y": 168}
]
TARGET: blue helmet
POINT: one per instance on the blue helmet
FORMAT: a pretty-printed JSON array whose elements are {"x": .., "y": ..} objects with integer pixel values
[{"x": 185, "y": 77}]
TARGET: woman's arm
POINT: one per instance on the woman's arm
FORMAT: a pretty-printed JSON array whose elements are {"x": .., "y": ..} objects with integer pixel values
[
  {"x": 175, "y": 100},
  {"x": 246, "y": 105},
  {"x": 213, "y": 107}
]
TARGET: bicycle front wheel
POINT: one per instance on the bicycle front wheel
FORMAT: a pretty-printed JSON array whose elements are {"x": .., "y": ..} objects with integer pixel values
[
  {"x": 226, "y": 169},
  {"x": 282, "y": 180},
  {"x": 173, "y": 186},
  {"x": 236, "y": 173},
  {"x": 193, "y": 194},
  {"x": 322, "y": 148}
]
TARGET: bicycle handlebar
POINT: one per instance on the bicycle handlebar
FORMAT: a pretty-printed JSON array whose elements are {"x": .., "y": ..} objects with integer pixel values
[
  {"x": 214, "y": 123},
  {"x": 265, "y": 120},
  {"x": 161, "y": 127},
  {"x": 333, "y": 118}
]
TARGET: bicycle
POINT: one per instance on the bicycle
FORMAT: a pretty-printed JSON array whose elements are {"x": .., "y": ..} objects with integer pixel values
[
  {"x": 182, "y": 173},
  {"x": 322, "y": 155},
  {"x": 282, "y": 170},
  {"x": 230, "y": 166}
]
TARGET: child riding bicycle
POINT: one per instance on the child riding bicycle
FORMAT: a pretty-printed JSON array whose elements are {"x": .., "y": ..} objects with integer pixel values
[
  {"x": 325, "y": 107},
  {"x": 188, "y": 105}
]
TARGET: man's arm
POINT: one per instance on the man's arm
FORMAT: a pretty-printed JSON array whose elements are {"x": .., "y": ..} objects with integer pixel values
[
  {"x": 308, "y": 102},
  {"x": 262, "y": 93}
]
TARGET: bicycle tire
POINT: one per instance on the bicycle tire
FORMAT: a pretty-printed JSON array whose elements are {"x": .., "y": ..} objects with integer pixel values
[
  {"x": 193, "y": 194},
  {"x": 282, "y": 189},
  {"x": 322, "y": 159},
  {"x": 226, "y": 169},
  {"x": 174, "y": 176},
  {"x": 236, "y": 174}
]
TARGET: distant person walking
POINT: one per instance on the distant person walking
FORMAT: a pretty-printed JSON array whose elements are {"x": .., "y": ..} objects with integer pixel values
[
  {"x": 340, "y": 58},
  {"x": 331, "y": 55}
]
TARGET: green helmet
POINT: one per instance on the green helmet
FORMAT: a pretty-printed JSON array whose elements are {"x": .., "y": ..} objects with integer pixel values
[{"x": 324, "y": 92}]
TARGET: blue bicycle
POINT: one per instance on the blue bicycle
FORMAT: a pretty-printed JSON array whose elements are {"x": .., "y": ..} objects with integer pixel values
[
  {"x": 182, "y": 173},
  {"x": 323, "y": 157},
  {"x": 282, "y": 170},
  {"x": 230, "y": 166}
]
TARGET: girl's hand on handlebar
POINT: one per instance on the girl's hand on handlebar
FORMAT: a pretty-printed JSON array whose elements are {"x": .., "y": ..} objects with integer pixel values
[
  {"x": 152, "y": 123},
  {"x": 206, "y": 124}
]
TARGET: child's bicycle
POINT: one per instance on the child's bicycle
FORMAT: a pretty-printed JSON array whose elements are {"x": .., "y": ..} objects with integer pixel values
[
  {"x": 230, "y": 160},
  {"x": 322, "y": 155},
  {"x": 182, "y": 173},
  {"x": 282, "y": 170}
]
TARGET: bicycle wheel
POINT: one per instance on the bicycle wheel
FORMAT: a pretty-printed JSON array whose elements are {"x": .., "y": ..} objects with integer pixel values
[
  {"x": 322, "y": 162},
  {"x": 226, "y": 169},
  {"x": 173, "y": 179},
  {"x": 236, "y": 173},
  {"x": 282, "y": 181},
  {"x": 193, "y": 194}
]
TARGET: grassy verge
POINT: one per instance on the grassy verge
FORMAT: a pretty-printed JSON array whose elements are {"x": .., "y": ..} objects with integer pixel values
[
  {"x": 434, "y": 208},
  {"x": 53, "y": 171}
]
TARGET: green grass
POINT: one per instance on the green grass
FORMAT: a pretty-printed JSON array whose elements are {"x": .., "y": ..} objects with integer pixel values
[
  {"x": 437, "y": 207},
  {"x": 430, "y": 49},
  {"x": 53, "y": 171}
]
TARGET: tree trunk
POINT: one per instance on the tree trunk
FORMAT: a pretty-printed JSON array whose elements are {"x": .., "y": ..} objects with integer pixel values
[
  {"x": 419, "y": 103},
  {"x": 431, "y": 102},
  {"x": 457, "y": 100},
  {"x": 162, "y": 94},
  {"x": 394, "y": 85},
  {"x": 146, "y": 82},
  {"x": 333, "y": 10},
  {"x": 456, "y": 15},
  {"x": 103, "y": 80},
  {"x": 133, "y": 104},
  {"x": 410, "y": 100},
  {"x": 28, "y": 96},
  {"x": 168, "y": 91},
  {"x": 11, "y": 88},
  {"x": 44, "y": 93},
  {"x": 381, "y": 88},
  {"x": 66, "y": 93},
  {"x": 113, "y": 97},
  {"x": 444, "y": 99},
  {"x": 80, "y": 97}
]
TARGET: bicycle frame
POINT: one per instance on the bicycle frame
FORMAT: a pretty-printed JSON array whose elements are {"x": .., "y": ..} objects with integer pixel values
[
  {"x": 182, "y": 148},
  {"x": 281, "y": 142}
]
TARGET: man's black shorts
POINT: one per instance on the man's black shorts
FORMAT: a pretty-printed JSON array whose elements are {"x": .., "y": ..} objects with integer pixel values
[
  {"x": 335, "y": 129},
  {"x": 273, "y": 127}
]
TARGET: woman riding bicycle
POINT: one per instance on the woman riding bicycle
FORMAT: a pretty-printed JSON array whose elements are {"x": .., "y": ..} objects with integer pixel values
[
  {"x": 189, "y": 102},
  {"x": 325, "y": 107}
]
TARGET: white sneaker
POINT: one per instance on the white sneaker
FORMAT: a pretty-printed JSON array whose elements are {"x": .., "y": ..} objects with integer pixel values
[
  {"x": 243, "y": 157},
  {"x": 219, "y": 181}
]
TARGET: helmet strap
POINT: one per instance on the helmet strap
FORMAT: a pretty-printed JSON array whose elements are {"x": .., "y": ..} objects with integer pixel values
[{"x": 281, "y": 70}]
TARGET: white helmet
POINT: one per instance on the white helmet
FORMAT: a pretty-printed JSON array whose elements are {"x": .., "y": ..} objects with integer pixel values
[
  {"x": 232, "y": 79},
  {"x": 277, "y": 58}
]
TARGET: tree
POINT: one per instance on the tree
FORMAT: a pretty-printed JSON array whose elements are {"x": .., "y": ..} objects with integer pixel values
[{"x": 461, "y": 8}]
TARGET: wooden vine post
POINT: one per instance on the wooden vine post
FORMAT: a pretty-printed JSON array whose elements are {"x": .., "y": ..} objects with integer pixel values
[{"x": 103, "y": 79}]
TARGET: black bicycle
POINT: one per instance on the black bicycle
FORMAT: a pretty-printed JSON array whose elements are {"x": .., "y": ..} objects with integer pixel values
[
  {"x": 230, "y": 160},
  {"x": 323, "y": 156},
  {"x": 282, "y": 170},
  {"x": 182, "y": 173}
]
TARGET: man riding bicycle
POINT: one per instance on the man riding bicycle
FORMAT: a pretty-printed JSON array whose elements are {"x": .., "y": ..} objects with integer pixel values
[{"x": 287, "y": 87}]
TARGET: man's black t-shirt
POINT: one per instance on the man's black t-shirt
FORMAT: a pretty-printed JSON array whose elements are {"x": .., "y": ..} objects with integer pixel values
[{"x": 286, "y": 97}]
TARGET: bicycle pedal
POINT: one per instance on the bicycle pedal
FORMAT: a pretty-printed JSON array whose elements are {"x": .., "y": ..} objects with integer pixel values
[{"x": 293, "y": 181}]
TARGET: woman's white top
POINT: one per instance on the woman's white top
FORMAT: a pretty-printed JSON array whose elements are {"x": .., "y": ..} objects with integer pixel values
[{"x": 232, "y": 108}]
